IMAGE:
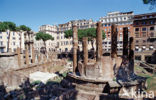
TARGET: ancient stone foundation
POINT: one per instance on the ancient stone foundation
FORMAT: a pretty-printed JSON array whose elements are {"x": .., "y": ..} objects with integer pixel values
[{"x": 108, "y": 74}]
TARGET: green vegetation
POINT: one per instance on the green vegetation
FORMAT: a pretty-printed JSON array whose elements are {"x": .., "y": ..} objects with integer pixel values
[
  {"x": 11, "y": 26},
  {"x": 151, "y": 78},
  {"x": 59, "y": 78},
  {"x": 4, "y": 26},
  {"x": 36, "y": 82},
  {"x": 90, "y": 33},
  {"x": 150, "y": 2},
  {"x": 24, "y": 28},
  {"x": 44, "y": 37}
]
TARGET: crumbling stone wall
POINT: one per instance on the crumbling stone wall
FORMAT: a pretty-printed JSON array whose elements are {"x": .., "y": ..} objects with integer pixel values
[{"x": 8, "y": 61}]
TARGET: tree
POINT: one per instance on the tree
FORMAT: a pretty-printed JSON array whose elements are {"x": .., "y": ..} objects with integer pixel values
[
  {"x": 10, "y": 26},
  {"x": 24, "y": 28},
  {"x": 151, "y": 2},
  {"x": 44, "y": 37},
  {"x": 90, "y": 33}
]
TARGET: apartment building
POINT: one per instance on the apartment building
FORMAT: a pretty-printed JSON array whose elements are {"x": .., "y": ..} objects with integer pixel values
[
  {"x": 50, "y": 44},
  {"x": 66, "y": 44},
  {"x": 16, "y": 40},
  {"x": 145, "y": 35},
  {"x": 121, "y": 19}
]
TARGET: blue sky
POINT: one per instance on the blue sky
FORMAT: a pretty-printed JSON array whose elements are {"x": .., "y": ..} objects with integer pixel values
[{"x": 35, "y": 13}]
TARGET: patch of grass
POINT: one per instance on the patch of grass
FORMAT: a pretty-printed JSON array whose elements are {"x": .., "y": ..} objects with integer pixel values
[
  {"x": 151, "y": 78},
  {"x": 36, "y": 82},
  {"x": 58, "y": 80},
  {"x": 151, "y": 83},
  {"x": 141, "y": 72}
]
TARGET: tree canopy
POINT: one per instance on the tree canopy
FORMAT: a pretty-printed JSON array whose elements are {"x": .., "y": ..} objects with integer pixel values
[
  {"x": 12, "y": 27},
  {"x": 43, "y": 36},
  {"x": 7, "y": 26},
  {"x": 90, "y": 33},
  {"x": 151, "y": 2},
  {"x": 24, "y": 28}
]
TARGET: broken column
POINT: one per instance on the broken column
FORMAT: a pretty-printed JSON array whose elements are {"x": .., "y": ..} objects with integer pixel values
[
  {"x": 114, "y": 41},
  {"x": 33, "y": 55},
  {"x": 85, "y": 50},
  {"x": 39, "y": 57},
  {"x": 125, "y": 42},
  {"x": 131, "y": 48},
  {"x": 131, "y": 54},
  {"x": 98, "y": 41},
  {"x": 19, "y": 56},
  {"x": 27, "y": 56},
  {"x": 75, "y": 47}
]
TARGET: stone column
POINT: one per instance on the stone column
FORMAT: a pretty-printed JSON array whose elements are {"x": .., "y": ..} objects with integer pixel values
[
  {"x": 75, "y": 47},
  {"x": 19, "y": 56},
  {"x": 27, "y": 56},
  {"x": 131, "y": 48},
  {"x": 114, "y": 41},
  {"x": 125, "y": 42},
  {"x": 131, "y": 54},
  {"x": 98, "y": 41},
  {"x": 85, "y": 50},
  {"x": 33, "y": 55},
  {"x": 39, "y": 57}
]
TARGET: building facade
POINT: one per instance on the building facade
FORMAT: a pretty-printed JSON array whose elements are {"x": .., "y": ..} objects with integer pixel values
[
  {"x": 60, "y": 42},
  {"x": 121, "y": 19},
  {"x": 145, "y": 35},
  {"x": 16, "y": 40},
  {"x": 66, "y": 44},
  {"x": 50, "y": 44}
]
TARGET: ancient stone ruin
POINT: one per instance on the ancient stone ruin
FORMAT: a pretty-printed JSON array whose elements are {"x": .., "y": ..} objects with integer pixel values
[{"x": 108, "y": 74}]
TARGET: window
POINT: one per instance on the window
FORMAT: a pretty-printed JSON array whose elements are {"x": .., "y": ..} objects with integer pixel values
[
  {"x": 143, "y": 23},
  {"x": 136, "y": 35},
  {"x": 152, "y": 22},
  {"x": 1, "y": 42},
  {"x": 143, "y": 34},
  {"x": 144, "y": 41},
  {"x": 151, "y": 28},
  {"x": 120, "y": 35},
  {"x": 13, "y": 38},
  {"x": 0, "y": 37},
  {"x": 137, "y": 41},
  {"x": 14, "y": 43},
  {"x": 137, "y": 23},
  {"x": 136, "y": 29},
  {"x": 151, "y": 34},
  {"x": 144, "y": 29}
]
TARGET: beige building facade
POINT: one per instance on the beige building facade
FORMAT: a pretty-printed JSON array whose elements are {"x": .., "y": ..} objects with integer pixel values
[
  {"x": 16, "y": 40},
  {"x": 60, "y": 42},
  {"x": 50, "y": 44},
  {"x": 66, "y": 44}
]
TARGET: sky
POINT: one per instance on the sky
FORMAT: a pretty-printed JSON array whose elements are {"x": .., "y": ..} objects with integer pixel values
[{"x": 34, "y": 13}]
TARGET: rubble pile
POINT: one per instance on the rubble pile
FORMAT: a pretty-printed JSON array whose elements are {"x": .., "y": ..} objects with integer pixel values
[{"x": 39, "y": 91}]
